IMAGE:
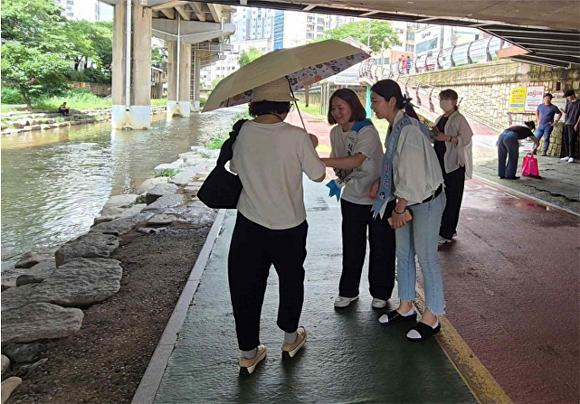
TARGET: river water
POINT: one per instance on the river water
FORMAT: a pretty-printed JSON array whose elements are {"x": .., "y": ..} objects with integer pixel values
[{"x": 54, "y": 183}]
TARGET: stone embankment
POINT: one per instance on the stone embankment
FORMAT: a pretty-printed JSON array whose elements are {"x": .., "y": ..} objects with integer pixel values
[
  {"x": 14, "y": 123},
  {"x": 44, "y": 295}
]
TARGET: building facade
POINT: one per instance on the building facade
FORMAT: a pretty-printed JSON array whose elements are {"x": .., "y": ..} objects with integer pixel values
[{"x": 89, "y": 10}]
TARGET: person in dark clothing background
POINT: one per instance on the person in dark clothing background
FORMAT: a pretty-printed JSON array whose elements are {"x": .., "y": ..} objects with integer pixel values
[
  {"x": 571, "y": 125},
  {"x": 508, "y": 148}
]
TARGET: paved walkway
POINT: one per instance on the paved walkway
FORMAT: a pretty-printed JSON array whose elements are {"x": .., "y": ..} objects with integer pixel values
[
  {"x": 349, "y": 358},
  {"x": 512, "y": 290}
]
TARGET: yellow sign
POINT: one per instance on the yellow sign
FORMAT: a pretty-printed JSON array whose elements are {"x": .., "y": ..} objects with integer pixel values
[{"x": 517, "y": 99}]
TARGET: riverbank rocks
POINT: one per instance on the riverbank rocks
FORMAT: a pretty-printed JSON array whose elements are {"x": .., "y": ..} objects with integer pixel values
[
  {"x": 162, "y": 219},
  {"x": 5, "y": 363},
  {"x": 184, "y": 177},
  {"x": 149, "y": 184},
  {"x": 158, "y": 191},
  {"x": 39, "y": 321},
  {"x": 23, "y": 353},
  {"x": 166, "y": 201},
  {"x": 110, "y": 214},
  {"x": 121, "y": 201},
  {"x": 119, "y": 227},
  {"x": 30, "y": 259},
  {"x": 8, "y": 387},
  {"x": 92, "y": 245},
  {"x": 172, "y": 166},
  {"x": 39, "y": 272},
  {"x": 79, "y": 283}
]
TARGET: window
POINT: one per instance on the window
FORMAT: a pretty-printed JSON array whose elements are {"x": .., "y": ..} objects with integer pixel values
[
  {"x": 321, "y": 21},
  {"x": 310, "y": 35},
  {"x": 426, "y": 46},
  {"x": 410, "y": 48},
  {"x": 320, "y": 28},
  {"x": 411, "y": 36},
  {"x": 310, "y": 27},
  {"x": 310, "y": 18},
  {"x": 319, "y": 35}
]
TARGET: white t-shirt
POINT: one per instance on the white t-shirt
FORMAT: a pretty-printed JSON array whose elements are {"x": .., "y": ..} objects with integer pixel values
[
  {"x": 270, "y": 160},
  {"x": 366, "y": 142}
]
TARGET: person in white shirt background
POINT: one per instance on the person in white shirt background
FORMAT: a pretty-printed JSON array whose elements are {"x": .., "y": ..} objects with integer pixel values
[
  {"x": 453, "y": 146},
  {"x": 412, "y": 176},
  {"x": 356, "y": 156},
  {"x": 270, "y": 157}
]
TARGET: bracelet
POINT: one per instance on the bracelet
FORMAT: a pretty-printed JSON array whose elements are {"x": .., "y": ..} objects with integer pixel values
[{"x": 399, "y": 213}]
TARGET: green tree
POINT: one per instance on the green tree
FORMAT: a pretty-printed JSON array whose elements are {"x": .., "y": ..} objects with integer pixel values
[
  {"x": 249, "y": 56},
  {"x": 32, "y": 71},
  {"x": 102, "y": 37},
  {"x": 79, "y": 35},
  {"x": 34, "y": 23},
  {"x": 157, "y": 56},
  {"x": 359, "y": 30}
]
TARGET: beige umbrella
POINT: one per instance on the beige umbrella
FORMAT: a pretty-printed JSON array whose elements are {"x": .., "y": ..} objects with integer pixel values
[{"x": 302, "y": 66}]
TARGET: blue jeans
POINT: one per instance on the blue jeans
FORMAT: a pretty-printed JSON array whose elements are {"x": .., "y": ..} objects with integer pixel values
[
  {"x": 544, "y": 131},
  {"x": 421, "y": 237},
  {"x": 507, "y": 148}
]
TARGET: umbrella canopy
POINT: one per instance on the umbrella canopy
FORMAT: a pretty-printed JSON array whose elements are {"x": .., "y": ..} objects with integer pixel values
[{"x": 303, "y": 66}]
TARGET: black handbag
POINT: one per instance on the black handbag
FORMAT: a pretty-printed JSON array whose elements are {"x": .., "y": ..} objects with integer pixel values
[{"x": 222, "y": 189}]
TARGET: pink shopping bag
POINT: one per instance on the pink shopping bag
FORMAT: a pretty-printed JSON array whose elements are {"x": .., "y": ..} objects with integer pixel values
[{"x": 530, "y": 166}]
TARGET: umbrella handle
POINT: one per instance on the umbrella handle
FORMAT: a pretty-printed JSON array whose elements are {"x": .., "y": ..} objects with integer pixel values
[{"x": 296, "y": 103}]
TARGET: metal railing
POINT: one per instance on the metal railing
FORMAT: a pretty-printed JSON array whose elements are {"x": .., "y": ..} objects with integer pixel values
[{"x": 483, "y": 50}]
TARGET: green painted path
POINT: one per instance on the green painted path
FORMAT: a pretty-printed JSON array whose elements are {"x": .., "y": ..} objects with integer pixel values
[{"x": 349, "y": 356}]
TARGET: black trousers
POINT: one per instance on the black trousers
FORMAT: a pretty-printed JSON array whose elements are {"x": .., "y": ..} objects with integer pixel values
[
  {"x": 253, "y": 250},
  {"x": 454, "y": 186},
  {"x": 570, "y": 138},
  {"x": 355, "y": 221}
]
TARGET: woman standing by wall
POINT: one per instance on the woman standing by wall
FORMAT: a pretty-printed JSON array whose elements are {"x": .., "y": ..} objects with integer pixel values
[
  {"x": 454, "y": 151},
  {"x": 356, "y": 157},
  {"x": 411, "y": 175}
]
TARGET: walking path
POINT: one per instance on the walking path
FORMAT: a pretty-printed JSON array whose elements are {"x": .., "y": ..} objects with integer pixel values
[{"x": 512, "y": 290}]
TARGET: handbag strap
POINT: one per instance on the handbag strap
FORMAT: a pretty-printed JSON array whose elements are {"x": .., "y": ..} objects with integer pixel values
[{"x": 227, "y": 152}]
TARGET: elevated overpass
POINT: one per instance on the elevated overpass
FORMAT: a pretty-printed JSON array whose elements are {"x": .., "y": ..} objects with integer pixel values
[{"x": 196, "y": 34}]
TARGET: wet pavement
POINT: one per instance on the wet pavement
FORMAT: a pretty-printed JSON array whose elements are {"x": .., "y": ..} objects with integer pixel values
[
  {"x": 512, "y": 289},
  {"x": 349, "y": 356}
]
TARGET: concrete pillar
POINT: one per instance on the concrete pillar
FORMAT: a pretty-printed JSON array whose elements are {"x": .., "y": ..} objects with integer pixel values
[
  {"x": 181, "y": 106},
  {"x": 196, "y": 81},
  {"x": 137, "y": 114}
]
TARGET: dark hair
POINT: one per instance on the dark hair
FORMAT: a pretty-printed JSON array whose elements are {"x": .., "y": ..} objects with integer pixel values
[
  {"x": 548, "y": 95},
  {"x": 269, "y": 107},
  {"x": 530, "y": 124},
  {"x": 569, "y": 93},
  {"x": 358, "y": 112},
  {"x": 389, "y": 89},
  {"x": 450, "y": 94}
]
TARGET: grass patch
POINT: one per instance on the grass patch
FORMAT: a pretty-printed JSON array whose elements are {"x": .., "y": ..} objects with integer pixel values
[
  {"x": 169, "y": 172},
  {"x": 312, "y": 109},
  {"x": 216, "y": 141},
  {"x": 75, "y": 99},
  {"x": 159, "y": 102}
]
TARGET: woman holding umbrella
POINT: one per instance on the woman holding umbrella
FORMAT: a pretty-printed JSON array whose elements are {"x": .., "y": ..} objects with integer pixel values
[
  {"x": 412, "y": 176},
  {"x": 270, "y": 157}
]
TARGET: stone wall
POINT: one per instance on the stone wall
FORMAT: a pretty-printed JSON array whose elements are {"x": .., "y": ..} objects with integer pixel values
[
  {"x": 100, "y": 89},
  {"x": 485, "y": 90}
]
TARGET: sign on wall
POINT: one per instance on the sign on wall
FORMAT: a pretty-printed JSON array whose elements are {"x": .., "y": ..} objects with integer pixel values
[
  {"x": 534, "y": 97},
  {"x": 517, "y": 99},
  {"x": 526, "y": 99}
]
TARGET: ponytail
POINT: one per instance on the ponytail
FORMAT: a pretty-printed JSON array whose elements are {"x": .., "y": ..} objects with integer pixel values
[{"x": 389, "y": 89}]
